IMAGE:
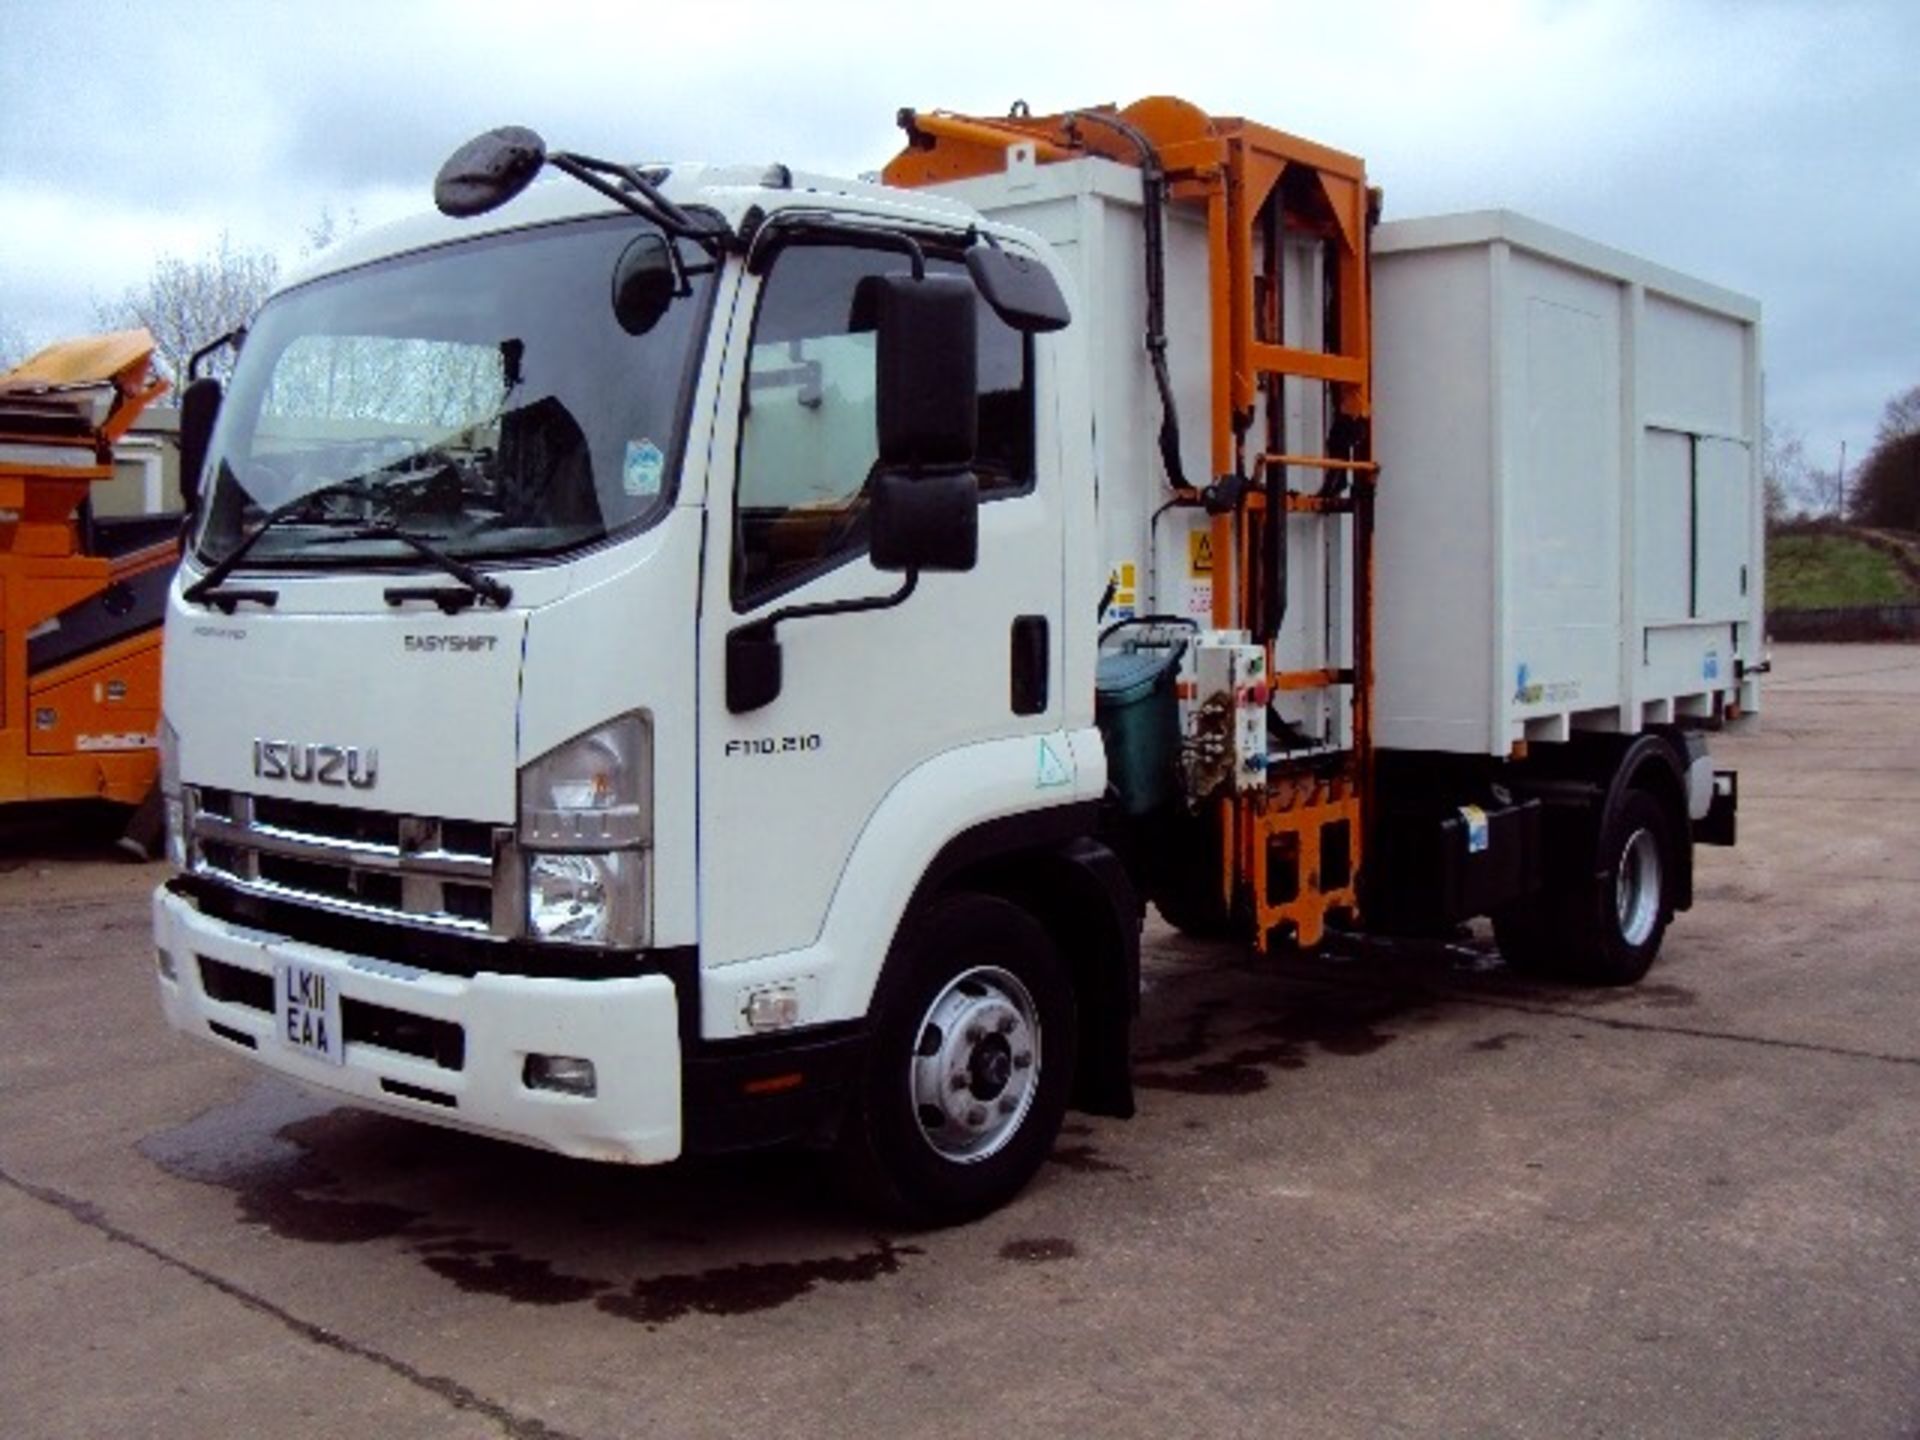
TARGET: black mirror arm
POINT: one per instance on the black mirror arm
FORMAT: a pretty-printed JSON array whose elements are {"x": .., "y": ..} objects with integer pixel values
[
  {"x": 753, "y": 653},
  {"x": 641, "y": 196},
  {"x": 235, "y": 337},
  {"x": 836, "y": 607}
]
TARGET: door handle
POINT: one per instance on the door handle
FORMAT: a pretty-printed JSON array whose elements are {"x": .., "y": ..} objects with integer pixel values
[{"x": 1031, "y": 653}]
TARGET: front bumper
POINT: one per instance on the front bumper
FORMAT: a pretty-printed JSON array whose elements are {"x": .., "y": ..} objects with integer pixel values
[{"x": 446, "y": 1049}]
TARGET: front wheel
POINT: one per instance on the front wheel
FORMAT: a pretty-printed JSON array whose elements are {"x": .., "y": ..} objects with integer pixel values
[
  {"x": 968, "y": 1067},
  {"x": 1606, "y": 928}
]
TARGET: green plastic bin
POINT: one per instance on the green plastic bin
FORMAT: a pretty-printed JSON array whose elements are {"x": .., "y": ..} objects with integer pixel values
[{"x": 1139, "y": 718}]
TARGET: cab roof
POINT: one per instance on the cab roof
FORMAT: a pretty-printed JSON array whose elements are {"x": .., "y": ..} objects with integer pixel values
[{"x": 731, "y": 190}]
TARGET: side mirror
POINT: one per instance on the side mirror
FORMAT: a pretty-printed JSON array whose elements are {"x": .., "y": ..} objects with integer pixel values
[
  {"x": 926, "y": 370},
  {"x": 644, "y": 283},
  {"x": 925, "y": 522},
  {"x": 488, "y": 171},
  {"x": 199, "y": 408},
  {"x": 1021, "y": 290}
]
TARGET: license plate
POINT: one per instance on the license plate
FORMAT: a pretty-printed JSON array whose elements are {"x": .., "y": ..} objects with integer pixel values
[{"x": 307, "y": 1010}]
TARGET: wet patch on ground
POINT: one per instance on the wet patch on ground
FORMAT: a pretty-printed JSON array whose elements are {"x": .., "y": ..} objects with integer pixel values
[
  {"x": 311, "y": 1172},
  {"x": 747, "y": 1287},
  {"x": 1200, "y": 1061},
  {"x": 496, "y": 1270},
  {"x": 252, "y": 1147},
  {"x": 1494, "y": 1044},
  {"x": 1083, "y": 1159},
  {"x": 1039, "y": 1251}
]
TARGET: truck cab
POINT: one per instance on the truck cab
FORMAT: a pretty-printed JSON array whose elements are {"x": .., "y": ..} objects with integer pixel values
[{"x": 559, "y": 764}]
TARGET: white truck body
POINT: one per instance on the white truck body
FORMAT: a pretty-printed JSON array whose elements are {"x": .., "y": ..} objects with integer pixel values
[
  {"x": 1570, "y": 516},
  {"x": 1089, "y": 212}
]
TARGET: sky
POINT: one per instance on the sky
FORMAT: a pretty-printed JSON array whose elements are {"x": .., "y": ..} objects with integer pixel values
[{"x": 1768, "y": 146}]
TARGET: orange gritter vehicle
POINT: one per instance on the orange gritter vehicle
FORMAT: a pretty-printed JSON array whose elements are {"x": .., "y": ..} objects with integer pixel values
[{"x": 81, "y": 598}]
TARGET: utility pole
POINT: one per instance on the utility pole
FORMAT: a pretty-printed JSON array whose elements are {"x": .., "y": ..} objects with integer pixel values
[{"x": 1840, "y": 494}]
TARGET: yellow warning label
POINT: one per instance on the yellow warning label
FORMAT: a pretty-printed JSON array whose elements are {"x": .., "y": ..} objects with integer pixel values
[
  {"x": 1125, "y": 589},
  {"x": 1199, "y": 553}
]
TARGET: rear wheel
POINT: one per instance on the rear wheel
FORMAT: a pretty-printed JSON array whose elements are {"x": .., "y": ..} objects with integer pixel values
[
  {"x": 968, "y": 1067},
  {"x": 1185, "y": 882},
  {"x": 1605, "y": 928}
]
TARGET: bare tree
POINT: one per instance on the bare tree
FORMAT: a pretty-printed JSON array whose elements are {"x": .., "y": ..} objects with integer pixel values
[
  {"x": 1785, "y": 472},
  {"x": 13, "y": 344},
  {"x": 187, "y": 304},
  {"x": 1900, "y": 419},
  {"x": 327, "y": 227},
  {"x": 1888, "y": 490}
]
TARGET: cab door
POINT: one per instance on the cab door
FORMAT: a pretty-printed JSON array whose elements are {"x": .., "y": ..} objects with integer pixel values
[{"x": 865, "y": 697}]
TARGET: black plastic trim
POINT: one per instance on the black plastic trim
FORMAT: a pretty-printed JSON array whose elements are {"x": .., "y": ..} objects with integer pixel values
[
  {"x": 719, "y": 1115},
  {"x": 1719, "y": 825},
  {"x": 1031, "y": 655}
]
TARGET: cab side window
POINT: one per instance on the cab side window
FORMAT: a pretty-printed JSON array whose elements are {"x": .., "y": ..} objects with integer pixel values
[{"x": 807, "y": 438}]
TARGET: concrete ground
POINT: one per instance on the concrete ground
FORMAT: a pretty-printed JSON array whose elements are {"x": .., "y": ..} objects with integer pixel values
[{"x": 1394, "y": 1192}]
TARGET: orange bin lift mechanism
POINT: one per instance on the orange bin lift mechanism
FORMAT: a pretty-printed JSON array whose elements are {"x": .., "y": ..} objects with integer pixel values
[
  {"x": 1291, "y": 854},
  {"x": 79, "y": 672}
]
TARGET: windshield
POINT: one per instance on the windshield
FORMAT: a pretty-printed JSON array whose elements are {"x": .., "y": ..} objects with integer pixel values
[{"x": 483, "y": 394}]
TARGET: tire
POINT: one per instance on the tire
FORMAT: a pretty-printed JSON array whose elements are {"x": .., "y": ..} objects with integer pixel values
[
  {"x": 968, "y": 1067},
  {"x": 1185, "y": 888},
  {"x": 1606, "y": 929}
]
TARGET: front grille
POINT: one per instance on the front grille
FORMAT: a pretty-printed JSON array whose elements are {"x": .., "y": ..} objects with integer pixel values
[
  {"x": 404, "y": 1033},
  {"x": 424, "y": 870},
  {"x": 440, "y": 1041},
  {"x": 232, "y": 985}
]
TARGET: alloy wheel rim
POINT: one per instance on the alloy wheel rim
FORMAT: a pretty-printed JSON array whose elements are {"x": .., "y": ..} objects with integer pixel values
[
  {"x": 975, "y": 1066},
  {"x": 1636, "y": 888}
]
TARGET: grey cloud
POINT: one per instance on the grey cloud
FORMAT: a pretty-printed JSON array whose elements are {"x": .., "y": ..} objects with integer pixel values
[{"x": 1772, "y": 147}]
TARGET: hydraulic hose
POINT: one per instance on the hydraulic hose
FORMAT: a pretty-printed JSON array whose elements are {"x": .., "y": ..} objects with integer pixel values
[{"x": 1153, "y": 185}]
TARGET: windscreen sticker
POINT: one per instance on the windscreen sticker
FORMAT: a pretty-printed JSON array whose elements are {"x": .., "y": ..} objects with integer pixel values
[{"x": 640, "y": 476}]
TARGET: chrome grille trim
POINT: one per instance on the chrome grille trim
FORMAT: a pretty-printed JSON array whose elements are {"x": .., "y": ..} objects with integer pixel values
[
  {"x": 392, "y": 859},
  {"x": 412, "y": 877}
]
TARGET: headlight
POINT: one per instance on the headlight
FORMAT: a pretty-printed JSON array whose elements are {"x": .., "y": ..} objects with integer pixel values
[
  {"x": 586, "y": 820},
  {"x": 169, "y": 743},
  {"x": 593, "y": 793},
  {"x": 589, "y": 899},
  {"x": 172, "y": 801},
  {"x": 176, "y": 816}
]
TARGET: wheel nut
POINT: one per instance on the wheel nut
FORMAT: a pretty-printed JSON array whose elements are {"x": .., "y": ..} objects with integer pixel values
[
  {"x": 1007, "y": 1022},
  {"x": 961, "y": 1080},
  {"x": 1023, "y": 1060},
  {"x": 1006, "y": 1105},
  {"x": 975, "y": 1034},
  {"x": 976, "y": 1116}
]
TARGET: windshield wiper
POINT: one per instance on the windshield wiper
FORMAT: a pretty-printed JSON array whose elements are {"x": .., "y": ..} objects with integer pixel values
[
  {"x": 482, "y": 585},
  {"x": 202, "y": 591},
  {"x": 206, "y": 590}
]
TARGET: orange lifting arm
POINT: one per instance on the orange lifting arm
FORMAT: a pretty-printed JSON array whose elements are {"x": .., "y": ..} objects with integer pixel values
[{"x": 1253, "y": 184}]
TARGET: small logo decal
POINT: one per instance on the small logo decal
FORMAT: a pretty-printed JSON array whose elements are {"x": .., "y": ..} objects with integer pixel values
[
  {"x": 1053, "y": 770},
  {"x": 341, "y": 765}
]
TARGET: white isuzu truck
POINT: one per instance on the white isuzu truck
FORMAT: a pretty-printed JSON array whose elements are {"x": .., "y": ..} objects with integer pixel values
[{"x": 675, "y": 658}]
